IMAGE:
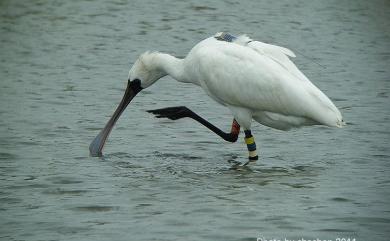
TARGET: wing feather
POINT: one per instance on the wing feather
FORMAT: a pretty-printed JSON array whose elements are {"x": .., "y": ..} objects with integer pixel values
[
  {"x": 276, "y": 53},
  {"x": 260, "y": 80}
]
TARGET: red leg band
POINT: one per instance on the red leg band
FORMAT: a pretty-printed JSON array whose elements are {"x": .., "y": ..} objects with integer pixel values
[{"x": 235, "y": 128}]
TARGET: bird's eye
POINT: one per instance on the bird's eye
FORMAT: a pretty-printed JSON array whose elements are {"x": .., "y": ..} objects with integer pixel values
[
  {"x": 135, "y": 85},
  {"x": 136, "y": 80}
]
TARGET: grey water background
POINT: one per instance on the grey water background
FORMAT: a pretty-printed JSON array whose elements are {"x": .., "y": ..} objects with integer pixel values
[{"x": 63, "y": 70}]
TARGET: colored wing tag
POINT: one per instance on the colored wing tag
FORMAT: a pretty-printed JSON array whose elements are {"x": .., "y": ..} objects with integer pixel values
[{"x": 227, "y": 37}]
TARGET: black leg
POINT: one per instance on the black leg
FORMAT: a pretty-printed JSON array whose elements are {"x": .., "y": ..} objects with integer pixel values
[{"x": 178, "y": 112}]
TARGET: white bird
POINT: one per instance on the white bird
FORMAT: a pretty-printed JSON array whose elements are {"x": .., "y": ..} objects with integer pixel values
[{"x": 254, "y": 80}]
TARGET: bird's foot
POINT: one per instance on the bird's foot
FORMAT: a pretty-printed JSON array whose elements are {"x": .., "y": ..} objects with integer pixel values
[
  {"x": 236, "y": 165},
  {"x": 249, "y": 162},
  {"x": 252, "y": 159},
  {"x": 172, "y": 113},
  {"x": 239, "y": 166}
]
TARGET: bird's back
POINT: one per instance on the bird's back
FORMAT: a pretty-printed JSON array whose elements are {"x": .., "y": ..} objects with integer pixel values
[{"x": 259, "y": 77}]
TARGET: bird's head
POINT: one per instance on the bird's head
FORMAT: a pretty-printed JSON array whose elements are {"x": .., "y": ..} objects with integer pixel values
[
  {"x": 146, "y": 69},
  {"x": 142, "y": 74}
]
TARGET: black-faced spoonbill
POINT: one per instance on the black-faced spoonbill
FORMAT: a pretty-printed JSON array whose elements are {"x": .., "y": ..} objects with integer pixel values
[{"x": 254, "y": 80}]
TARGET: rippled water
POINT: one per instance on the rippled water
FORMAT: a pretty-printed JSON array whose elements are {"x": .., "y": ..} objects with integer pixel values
[{"x": 63, "y": 69}]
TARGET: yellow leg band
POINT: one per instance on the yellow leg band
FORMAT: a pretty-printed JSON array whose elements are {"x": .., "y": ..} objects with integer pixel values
[{"x": 249, "y": 140}]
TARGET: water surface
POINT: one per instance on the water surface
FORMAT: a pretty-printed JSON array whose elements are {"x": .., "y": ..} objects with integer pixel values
[{"x": 63, "y": 69}]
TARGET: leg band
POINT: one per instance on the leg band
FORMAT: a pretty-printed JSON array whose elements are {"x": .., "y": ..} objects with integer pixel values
[
  {"x": 235, "y": 128},
  {"x": 251, "y": 145}
]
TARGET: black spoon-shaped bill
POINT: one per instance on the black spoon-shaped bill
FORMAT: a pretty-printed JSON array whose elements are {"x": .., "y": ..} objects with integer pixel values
[{"x": 96, "y": 146}]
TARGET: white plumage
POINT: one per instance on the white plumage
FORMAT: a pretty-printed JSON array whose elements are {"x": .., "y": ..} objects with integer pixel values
[{"x": 254, "y": 80}]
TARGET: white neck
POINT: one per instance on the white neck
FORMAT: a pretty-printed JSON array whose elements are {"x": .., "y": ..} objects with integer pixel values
[{"x": 171, "y": 66}]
